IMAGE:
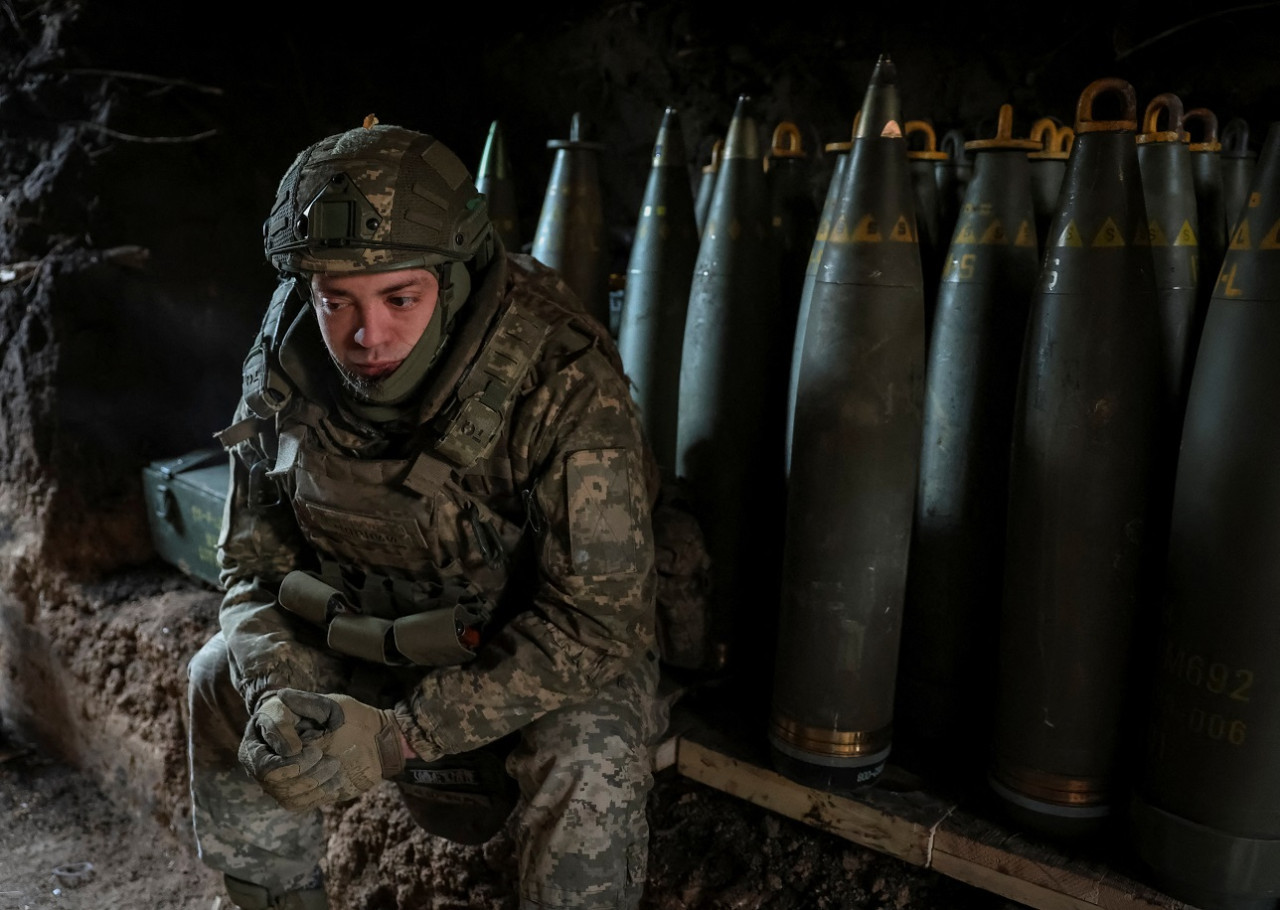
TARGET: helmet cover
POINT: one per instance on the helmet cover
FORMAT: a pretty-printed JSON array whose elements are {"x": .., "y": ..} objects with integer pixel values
[{"x": 376, "y": 198}]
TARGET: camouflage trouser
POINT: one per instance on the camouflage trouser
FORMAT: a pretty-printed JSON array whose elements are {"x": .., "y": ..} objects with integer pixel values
[{"x": 584, "y": 773}]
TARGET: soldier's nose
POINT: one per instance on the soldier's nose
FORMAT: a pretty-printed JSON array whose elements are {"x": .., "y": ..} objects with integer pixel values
[{"x": 372, "y": 328}]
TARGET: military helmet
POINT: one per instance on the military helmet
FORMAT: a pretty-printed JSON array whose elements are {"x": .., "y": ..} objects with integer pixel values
[{"x": 377, "y": 198}]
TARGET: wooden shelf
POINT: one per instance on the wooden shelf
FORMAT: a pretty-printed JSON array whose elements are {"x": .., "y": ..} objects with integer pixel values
[{"x": 901, "y": 817}]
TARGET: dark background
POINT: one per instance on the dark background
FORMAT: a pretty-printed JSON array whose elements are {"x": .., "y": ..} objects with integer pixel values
[{"x": 259, "y": 82}]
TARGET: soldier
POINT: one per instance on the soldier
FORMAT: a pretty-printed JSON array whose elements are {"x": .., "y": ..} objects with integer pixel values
[{"x": 437, "y": 548}]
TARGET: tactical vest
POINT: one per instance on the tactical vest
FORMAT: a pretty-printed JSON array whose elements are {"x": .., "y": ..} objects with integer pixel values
[{"x": 413, "y": 558}]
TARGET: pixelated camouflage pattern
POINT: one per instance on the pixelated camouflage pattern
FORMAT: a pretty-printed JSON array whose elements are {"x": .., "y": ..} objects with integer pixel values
[
  {"x": 603, "y": 535},
  {"x": 578, "y": 631},
  {"x": 240, "y": 830},
  {"x": 567, "y": 490},
  {"x": 583, "y": 773},
  {"x": 582, "y": 841},
  {"x": 423, "y": 203}
]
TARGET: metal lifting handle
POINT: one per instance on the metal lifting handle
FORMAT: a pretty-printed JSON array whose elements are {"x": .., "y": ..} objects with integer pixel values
[
  {"x": 717, "y": 154},
  {"x": 1166, "y": 103},
  {"x": 1110, "y": 85},
  {"x": 1209, "y": 139},
  {"x": 1052, "y": 138},
  {"x": 787, "y": 141},
  {"x": 1003, "y": 138},
  {"x": 930, "y": 151},
  {"x": 1235, "y": 138}
]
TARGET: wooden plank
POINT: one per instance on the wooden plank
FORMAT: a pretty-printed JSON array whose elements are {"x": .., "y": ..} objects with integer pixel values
[
  {"x": 663, "y": 755},
  {"x": 917, "y": 827},
  {"x": 1006, "y": 884},
  {"x": 965, "y": 845},
  {"x": 897, "y": 793},
  {"x": 855, "y": 821}
]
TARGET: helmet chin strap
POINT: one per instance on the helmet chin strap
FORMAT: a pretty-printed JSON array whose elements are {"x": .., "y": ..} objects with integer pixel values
[{"x": 381, "y": 401}]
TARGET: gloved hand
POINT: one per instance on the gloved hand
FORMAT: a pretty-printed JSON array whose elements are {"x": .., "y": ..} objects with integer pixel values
[
  {"x": 363, "y": 740},
  {"x": 281, "y": 750}
]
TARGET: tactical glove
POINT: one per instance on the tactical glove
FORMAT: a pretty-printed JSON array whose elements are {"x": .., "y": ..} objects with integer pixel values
[
  {"x": 363, "y": 740},
  {"x": 281, "y": 750}
]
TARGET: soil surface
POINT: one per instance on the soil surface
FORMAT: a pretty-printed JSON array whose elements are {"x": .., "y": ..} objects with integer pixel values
[
  {"x": 56, "y": 818},
  {"x": 708, "y": 851}
]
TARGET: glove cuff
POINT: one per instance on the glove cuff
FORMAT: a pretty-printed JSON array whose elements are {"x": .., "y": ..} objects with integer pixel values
[{"x": 390, "y": 750}]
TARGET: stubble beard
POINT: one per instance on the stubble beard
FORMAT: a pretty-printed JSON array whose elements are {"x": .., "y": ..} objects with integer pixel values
[{"x": 362, "y": 386}]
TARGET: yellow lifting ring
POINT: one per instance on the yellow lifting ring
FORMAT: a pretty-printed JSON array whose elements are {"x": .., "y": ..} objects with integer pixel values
[
  {"x": 930, "y": 151},
  {"x": 787, "y": 141},
  {"x": 1054, "y": 139},
  {"x": 1004, "y": 135}
]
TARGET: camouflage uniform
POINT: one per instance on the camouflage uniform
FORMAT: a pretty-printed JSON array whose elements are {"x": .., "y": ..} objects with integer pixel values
[{"x": 548, "y": 535}]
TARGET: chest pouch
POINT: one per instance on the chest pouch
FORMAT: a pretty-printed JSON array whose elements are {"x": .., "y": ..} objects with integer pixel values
[{"x": 445, "y": 632}]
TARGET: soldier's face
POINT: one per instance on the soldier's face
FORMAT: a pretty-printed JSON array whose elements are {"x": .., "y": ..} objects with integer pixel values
[{"x": 371, "y": 320}]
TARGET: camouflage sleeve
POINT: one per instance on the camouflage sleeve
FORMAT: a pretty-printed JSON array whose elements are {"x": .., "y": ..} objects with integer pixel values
[
  {"x": 256, "y": 549},
  {"x": 592, "y": 614}
]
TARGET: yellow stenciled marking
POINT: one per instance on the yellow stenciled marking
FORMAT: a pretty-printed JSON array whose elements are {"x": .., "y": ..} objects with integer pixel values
[
  {"x": 966, "y": 234},
  {"x": 1228, "y": 282},
  {"x": 1070, "y": 236},
  {"x": 1255, "y": 200},
  {"x": 1217, "y": 727},
  {"x": 1156, "y": 234},
  {"x": 840, "y": 233},
  {"x": 902, "y": 230},
  {"x": 824, "y": 231},
  {"x": 1186, "y": 235},
  {"x": 1241, "y": 240},
  {"x": 1026, "y": 235},
  {"x": 994, "y": 234},
  {"x": 1272, "y": 240},
  {"x": 867, "y": 231},
  {"x": 1108, "y": 235}
]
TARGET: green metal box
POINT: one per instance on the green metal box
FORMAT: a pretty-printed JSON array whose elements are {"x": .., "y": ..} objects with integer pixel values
[{"x": 185, "y": 498}]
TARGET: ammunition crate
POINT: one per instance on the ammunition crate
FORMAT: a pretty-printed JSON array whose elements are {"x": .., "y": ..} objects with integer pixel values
[{"x": 185, "y": 498}]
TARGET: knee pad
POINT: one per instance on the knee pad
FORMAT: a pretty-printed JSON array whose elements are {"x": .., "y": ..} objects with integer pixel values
[
  {"x": 465, "y": 798},
  {"x": 248, "y": 896}
]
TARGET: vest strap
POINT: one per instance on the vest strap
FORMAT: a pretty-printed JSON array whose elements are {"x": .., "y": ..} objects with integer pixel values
[
  {"x": 266, "y": 389},
  {"x": 471, "y": 427}
]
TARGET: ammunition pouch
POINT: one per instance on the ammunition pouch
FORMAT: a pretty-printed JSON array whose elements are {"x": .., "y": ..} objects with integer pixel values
[
  {"x": 248, "y": 896},
  {"x": 442, "y": 635},
  {"x": 465, "y": 798}
]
